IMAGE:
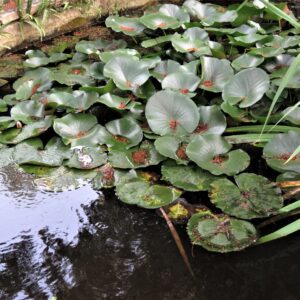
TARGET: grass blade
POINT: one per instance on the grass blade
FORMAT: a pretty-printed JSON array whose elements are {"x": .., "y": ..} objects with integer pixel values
[
  {"x": 249, "y": 138},
  {"x": 258, "y": 128},
  {"x": 290, "y": 207},
  {"x": 284, "y": 82},
  {"x": 282, "y": 232},
  {"x": 294, "y": 154}
]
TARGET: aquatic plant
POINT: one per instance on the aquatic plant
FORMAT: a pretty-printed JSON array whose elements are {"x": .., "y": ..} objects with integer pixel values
[{"x": 171, "y": 116}]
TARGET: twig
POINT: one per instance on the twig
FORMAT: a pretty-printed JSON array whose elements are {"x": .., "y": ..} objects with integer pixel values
[
  {"x": 291, "y": 193},
  {"x": 285, "y": 184},
  {"x": 177, "y": 241}
]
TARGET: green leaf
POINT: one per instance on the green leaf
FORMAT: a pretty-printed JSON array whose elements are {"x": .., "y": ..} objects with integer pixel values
[
  {"x": 210, "y": 152},
  {"x": 128, "y": 26},
  {"x": 127, "y": 72},
  {"x": 159, "y": 20},
  {"x": 172, "y": 113},
  {"x": 280, "y": 148},
  {"x": 246, "y": 87},
  {"x": 188, "y": 178},
  {"x": 215, "y": 74},
  {"x": 220, "y": 233},
  {"x": 174, "y": 11},
  {"x": 246, "y": 61},
  {"x": 254, "y": 196},
  {"x": 108, "y": 55}
]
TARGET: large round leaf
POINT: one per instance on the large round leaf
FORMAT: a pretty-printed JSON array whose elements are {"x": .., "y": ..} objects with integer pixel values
[
  {"x": 246, "y": 87},
  {"x": 184, "y": 82},
  {"x": 220, "y": 233},
  {"x": 74, "y": 126},
  {"x": 215, "y": 74},
  {"x": 139, "y": 157},
  {"x": 247, "y": 61},
  {"x": 159, "y": 20},
  {"x": 37, "y": 58},
  {"x": 280, "y": 148},
  {"x": 172, "y": 113},
  {"x": 127, "y": 72},
  {"x": 210, "y": 152},
  {"x": 176, "y": 12},
  {"x": 212, "y": 120},
  {"x": 172, "y": 147},
  {"x": 128, "y": 26},
  {"x": 188, "y": 178},
  {"x": 254, "y": 196},
  {"x": 134, "y": 188}
]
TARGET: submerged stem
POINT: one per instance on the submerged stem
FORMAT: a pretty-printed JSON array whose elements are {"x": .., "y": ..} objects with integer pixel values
[{"x": 177, "y": 241}]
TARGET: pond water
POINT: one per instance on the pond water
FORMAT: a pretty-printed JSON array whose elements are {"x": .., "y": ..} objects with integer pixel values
[{"x": 87, "y": 245}]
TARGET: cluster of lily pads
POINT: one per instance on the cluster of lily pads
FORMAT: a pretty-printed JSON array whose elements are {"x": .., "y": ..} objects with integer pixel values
[{"x": 164, "y": 111}]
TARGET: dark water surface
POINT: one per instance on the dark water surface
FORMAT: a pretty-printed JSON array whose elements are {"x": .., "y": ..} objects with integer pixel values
[{"x": 86, "y": 245}]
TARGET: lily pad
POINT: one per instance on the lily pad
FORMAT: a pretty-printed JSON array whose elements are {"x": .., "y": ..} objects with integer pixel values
[
  {"x": 128, "y": 26},
  {"x": 37, "y": 58},
  {"x": 215, "y": 74},
  {"x": 172, "y": 113},
  {"x": 136, "y": 189},
  {"x": 246, "y": 87},
  {"x": 188, "y": 178},
  {"x": 210, "y": 152},
  {"x": 6, "y": 122},
  {"x": 107, "y": 56},
  {"x": 127, "y": 72},
  {"x": 174, "y": 11},
  {"x": 254, "y": 196},
  {"x": 220, "y": 233},
  {"x": 212, "y": 120},
  {"x": 159, "y": 20},
  {"x": 247, "y": 61},
  {"x": 280, "y": 148},
  {"x": 139, "y": 157}
]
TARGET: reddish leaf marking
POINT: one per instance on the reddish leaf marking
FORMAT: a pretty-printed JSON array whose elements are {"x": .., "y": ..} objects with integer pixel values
[
  {"x": 11, "y": 4},
  {"x": 208, "y": 83},
  {"x": 128, "y": 83},
  {"x": 201, "y": 128},
  {"x": 181, "y": 152},
  {"x": 76, "y": 71},
  {"x": 184, "y": 91},
  {"x": 173, "y": 124},
  {"x": 246, "y": 195},
  {"x": 218, "y": 159},
  {"x": 44, "y": 101},
  {"x": 126, "y": 28},
  {"x": 193, "y": 49},
  {"x": 80, "y": 134},
  {"x": 34, "y": 89},
  {"x": 107, "y": 172},
  {"x": 121, "y": 139},
  {"x": 132, "y": 97},
  {"x": 286, "y": 156},
  {"x": 161, "y": 25},
  {"x": 122, "y": 105},
  {"x": 140, "y": 156}
]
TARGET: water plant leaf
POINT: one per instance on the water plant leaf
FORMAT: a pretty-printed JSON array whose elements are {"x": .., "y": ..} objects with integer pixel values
[
  {"x": 266, "y": 52},
  {"x": 168, "y": 112},
  {"x": 188, "y": 178},
  {"x": 159, "y": 20},
  {"x": 164, "y": 68},
  {"x": 135, "y": 189},
  {"x": 280, "y": 148},
  {"x": 108, "y": 55},
  {"x": 139, "y": 157},
  {"x": 99, "y": 45},
  {"x": 292, "y": 114},
  {"x": 6, "y": 122},
  {"x": 215, "y": 74},
  {"x": 27, "y": 111},
  {"x": 87, "y": 158},
  {"x": 65, "y": 179},
  {"x": 253, "y": 196},
  {"x": 127, "y": 72},
  {"x": 279, "y": 62},
  {"x": 172, "y": 147},
  {"x": 128, "y": 26},
  {"x": 220, "y": 233},
  {"x": 37, "y": 58},
  {"x": 212, "y": 120},
  {"x": 184, "y": 82},
  {"x": 246, "y": 87},
  {"x": 210, "y": 152},
  {"x": 74, "y": 126},
  {"x": 176, "y": 12},
  {"x": 247, "y": 61}
]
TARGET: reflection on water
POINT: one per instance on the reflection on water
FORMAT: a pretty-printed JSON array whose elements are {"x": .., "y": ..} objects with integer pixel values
[{"x": 83, "y": 245}]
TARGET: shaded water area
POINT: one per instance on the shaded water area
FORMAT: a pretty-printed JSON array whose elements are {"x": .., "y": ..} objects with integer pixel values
[{"x": 87, "y": 245}]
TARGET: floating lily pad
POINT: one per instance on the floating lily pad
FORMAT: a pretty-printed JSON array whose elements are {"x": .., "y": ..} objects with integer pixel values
[
  {"x": 139, "y": 157},
  {"x": 172, "y": 113},
  {"x": 135, "y": 189},
  {"x": 220, "y": 233},
  {"x": 266, "y": 52},
  {"x": 174, "y": 11},
  {"x": 107, "y": 56},
  {"x": 159, "y": 20},
  {"x": 99, "y": 45},
  {"x": 87, "y": 158},
  {"x": 212, "y": 120},
  {"x": 164, "y": 68},
  {"x": 37, "y": 58},
  {"x": 254, "y": 196},
  {"x": 280, "y": 61},
  {"x": 210, "y": 152},
  {"x": 127, "y": 72},
  {"x": 172, "y": 147},
  {"x": 6, "y": 122},
  {"x": 128, "y": 26},
  {"x": 215, "y": 74},
  {"x": 27, "y": 111},
  {"x": 246, "y": 87},
  {"x": 280, "y": 148},
  {"x": 65, "y": 179},
  {"x": 32, "y": 152},
  {"x": 293, "y": 115},
  {"x": 6, "y": 157},
  {"x": 247, "y": 61},
  {"x": 188, "y": 178},
  {"x": 115, "y": 101},
  {"x": 184, "y": 82}
]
